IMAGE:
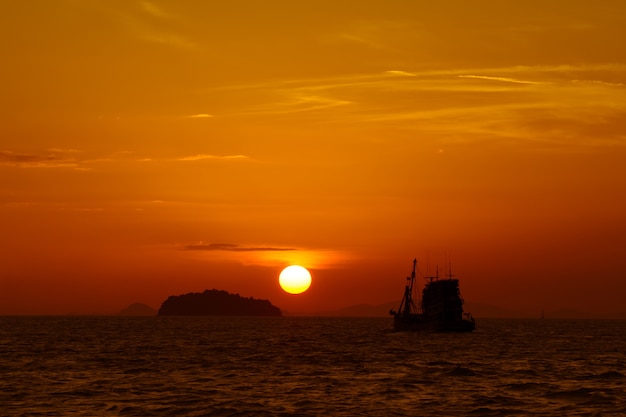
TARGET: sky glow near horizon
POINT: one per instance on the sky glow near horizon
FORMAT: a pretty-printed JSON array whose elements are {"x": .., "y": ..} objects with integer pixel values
[{"x": 152, "y": 148}]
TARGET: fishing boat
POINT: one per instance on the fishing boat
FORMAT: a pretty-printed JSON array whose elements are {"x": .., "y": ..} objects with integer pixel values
[{"x": 440, "y": 308}]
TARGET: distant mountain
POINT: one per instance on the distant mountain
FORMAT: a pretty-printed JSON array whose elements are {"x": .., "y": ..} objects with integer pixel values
[
  {"x": 478, "y": 310},
  {"x": 576, "y": 314},
  {"x": 362, "y": 310},
  {"x": 216, "y": 303},
  {"x": 483, "y": 310},
  {"x": 138, "y": 309}
]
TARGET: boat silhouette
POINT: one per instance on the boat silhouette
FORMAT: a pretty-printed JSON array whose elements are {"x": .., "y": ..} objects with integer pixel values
[{"x": 440, "y": 308}]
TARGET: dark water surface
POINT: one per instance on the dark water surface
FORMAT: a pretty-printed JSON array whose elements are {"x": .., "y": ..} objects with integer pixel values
[{"x": 175, "y": 366}]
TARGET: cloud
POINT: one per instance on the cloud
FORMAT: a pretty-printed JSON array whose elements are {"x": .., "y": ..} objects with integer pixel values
[
  {"x": 200, "y": 116},
  {"x": 63, "y": 150},
  {"x": 300, "y": 101},
  {"x": 598, "y": 82},
  {"x": 400, "y": 73},
  {"x": 503, "y": 79},
  {"x": 65, "y": 158},
  {"x": 23, "y": 160},
  {"x": 517, "y": 103},
  {"x": 151, "y": 23},
  {"x": 229, "y": 247},
  {"x": 153, "y": 10},
  {"x": 207, "y": 156}
]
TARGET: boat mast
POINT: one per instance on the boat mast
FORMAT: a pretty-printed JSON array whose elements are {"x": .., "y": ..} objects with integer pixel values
[{"x": 408, "y": 292}]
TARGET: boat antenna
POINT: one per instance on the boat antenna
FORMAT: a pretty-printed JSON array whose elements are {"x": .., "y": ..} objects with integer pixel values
[
  {"x": 435, "y": 277},
  {"x": 450, "y": 267}
]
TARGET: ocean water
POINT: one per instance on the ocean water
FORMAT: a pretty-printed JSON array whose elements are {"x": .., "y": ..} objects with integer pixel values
[{"x": 285, "y": 366}]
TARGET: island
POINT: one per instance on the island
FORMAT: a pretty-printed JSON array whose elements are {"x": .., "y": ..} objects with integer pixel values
[{"x": 216, "y": 303}]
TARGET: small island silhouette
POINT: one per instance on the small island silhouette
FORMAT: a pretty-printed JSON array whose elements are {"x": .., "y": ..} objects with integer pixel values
[{"x": 216, "y": 303}]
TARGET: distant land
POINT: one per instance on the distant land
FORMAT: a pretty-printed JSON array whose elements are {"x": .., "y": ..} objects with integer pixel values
[
  {"x": 382, "y": 310},
  {"x": 216, "y": 303},
  {"x": 478, "y": 310},
  {"x": 138, "y": 309}
]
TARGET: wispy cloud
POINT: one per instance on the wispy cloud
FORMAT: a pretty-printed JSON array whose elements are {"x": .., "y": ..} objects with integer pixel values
[
  {"x": 200, "y": 116},
  {"x": 401, "y": 73},
  {"x": 305, "y": 100},
  {"x": 503, "y": 79},
  {"x": 266, "y": 256},
  {"x": 153, "y": 9},
  {"x": 24, "y": 160},
  {"x": 63, "y": 150},
  {"x": 151, "y": 23},
  {"x": 230, "y": 247},
  {"x": 598, "y": 82},
  {"x": 207, "y": 156},
  {"x": 66, "y": 158},
  {"x": 515, "y": 102},
  {"x": 376, "y": 34}
]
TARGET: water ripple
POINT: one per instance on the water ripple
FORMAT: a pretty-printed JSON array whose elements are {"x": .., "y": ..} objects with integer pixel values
[{"x": 170, "y": 366}]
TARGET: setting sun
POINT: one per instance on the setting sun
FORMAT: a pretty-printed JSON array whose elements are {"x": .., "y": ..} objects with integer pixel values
[{"x": 295, "y": 279}]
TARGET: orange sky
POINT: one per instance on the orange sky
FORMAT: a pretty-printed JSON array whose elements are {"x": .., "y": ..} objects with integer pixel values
[{"x": 152, "y": 148}]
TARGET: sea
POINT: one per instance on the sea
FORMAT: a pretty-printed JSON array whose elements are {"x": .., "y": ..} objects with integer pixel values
[{"x": 308, "y": 366}]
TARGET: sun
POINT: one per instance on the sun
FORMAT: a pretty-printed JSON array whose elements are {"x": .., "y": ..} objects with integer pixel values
[{"x": 295, "y": 279}]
